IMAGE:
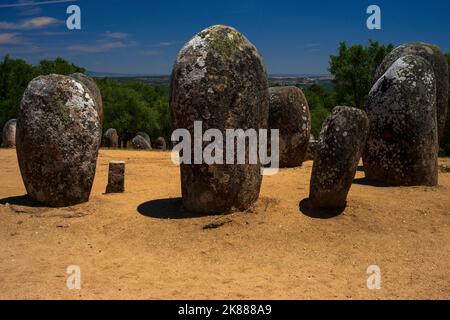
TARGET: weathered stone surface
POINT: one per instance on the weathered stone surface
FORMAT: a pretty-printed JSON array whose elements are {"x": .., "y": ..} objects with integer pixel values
[
  {"x": 219, "y": 78},
  {"x": 339, "y": 149},
  {"x": 116, "y": 177},
  {"x": 110, "y": 139},
  {"x": 58, "y": 137},
  {"x": 9, "y": 134},
  {"x": 140, "y": 143},
  {"x": 289, "y": 113},
  {"x": 160, "y": 144},
  {"x": 402, "y": 145},
  {"x": 436, "y": 58},
  {"x": 94, "y": 92}
]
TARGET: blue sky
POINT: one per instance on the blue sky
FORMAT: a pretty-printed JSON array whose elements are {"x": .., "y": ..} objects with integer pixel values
[{"x": 144, "y": 37}]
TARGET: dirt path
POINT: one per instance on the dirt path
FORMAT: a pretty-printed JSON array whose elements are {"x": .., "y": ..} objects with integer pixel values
[{"x": 128, "y": 249}]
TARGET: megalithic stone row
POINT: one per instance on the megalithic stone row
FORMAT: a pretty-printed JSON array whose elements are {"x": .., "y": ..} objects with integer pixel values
[
  {"x": 402, "y": 145},
  {"x": 338, "y": 151},
  {"x": 289, "y": 113},
  {"x": 9, "y": 134},
  {"x": 110, "y": 139},
  {"x": 116, "y": 177},
  {"x": 433, "y": 55},
  {"x": 58, "y": 137},
  {"x": 220, "y": 79}
]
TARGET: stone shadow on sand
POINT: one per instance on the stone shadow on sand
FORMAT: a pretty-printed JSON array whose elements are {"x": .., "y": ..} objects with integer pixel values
[
  {"x": 305, "y": 208},
  {"x": 24, "y": 201},
  {"x": 166, "y": 209},
  {"x": 371, "y": 183}
]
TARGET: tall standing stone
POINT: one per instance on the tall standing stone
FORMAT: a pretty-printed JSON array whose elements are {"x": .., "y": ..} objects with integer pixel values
[
  {"x": 220, "y": 79},
  {"x": 94, "y": 92},
  {"x": 338, "y": 152},
  {"x": 402, "y": 145},
  {"x": 58, "y": 137},
  {"x": 146, "y": 137},
  {"x": 438, "y": 61},
  {"x": 9, "y": 134},
  {"x": 289, "y": 113},
  {"x": 110, "y": 139}
]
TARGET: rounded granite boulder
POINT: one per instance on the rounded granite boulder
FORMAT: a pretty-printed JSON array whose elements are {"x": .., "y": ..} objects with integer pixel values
[
  {"x": 58, "y": 137},
  {"x": 402, "y": 145},
  {"x": 160, "y": 144},
  {"x": 110, "y": 139},
  {"x": 140, "y": 143},
  {"x": 338, "y": 151},
  {"x": 433, "y": 55},
  {"x": 9, "y": 134},
  {"x": 220, "y": 79},
  {"x": 289, "y": 113}
]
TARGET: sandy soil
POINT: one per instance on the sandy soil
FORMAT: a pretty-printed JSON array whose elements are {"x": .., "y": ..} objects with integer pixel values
[{"x": 128, "y": 247}]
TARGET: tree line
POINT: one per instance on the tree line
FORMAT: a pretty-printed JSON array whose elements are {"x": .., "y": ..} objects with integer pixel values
[{"x": 137, "y": 107}]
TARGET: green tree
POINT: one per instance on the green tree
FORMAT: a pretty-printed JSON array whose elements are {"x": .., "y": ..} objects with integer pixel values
[
  {"x": 134, "y": 107},
  {"x": 320, "y": 102},
  {"x": 354, "y": 70},
  {"x": 58, "y": 66},
  {"x": 14, "y": 78}
]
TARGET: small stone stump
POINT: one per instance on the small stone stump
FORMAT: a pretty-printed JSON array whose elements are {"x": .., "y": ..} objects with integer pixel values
[{"x": 116, "y": 177}]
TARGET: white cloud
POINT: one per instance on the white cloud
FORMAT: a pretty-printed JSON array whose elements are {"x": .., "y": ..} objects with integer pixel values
[
  {"x": 151, "y": 53},
  {"x": 32, "y": 3},
  {"x": 116, "y": 35},
  {"x": 10, "y": 38},
  {"x": 96, "y": 47},
  {"x": 34, "y": 23}
]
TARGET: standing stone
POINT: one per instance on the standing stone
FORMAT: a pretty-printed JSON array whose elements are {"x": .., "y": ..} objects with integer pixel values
[
  {"x": 160, "y": 144},
  {"x": 110, "y": 139},
  {"x": 146, "y": 137},
  {"x": 312, "y": 146},
  {"x": 116, "y": 177},
  {"x": 402, "y": 145},
  {"x": 58, "y": 137},
  {"x": 438, "y": 61},
  {"x": 94, "y": 92},
  {"x": 9, "y": 134},
  {"x": 289, "y": 113},
  {"x": 140, "y": 143},
  {"x": 339, "y": 149},
  {"x": 220, "y": 79}
]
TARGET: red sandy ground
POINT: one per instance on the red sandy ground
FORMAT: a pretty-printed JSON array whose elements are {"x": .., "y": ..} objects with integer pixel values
[{"x": 127, "y": 248}]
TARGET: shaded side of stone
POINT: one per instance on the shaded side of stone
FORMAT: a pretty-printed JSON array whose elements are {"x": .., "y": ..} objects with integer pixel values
[{"x": 289, "y": 113}]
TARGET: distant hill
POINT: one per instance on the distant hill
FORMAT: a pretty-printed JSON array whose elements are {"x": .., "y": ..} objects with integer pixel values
[{"x": 274, "y": 80}]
